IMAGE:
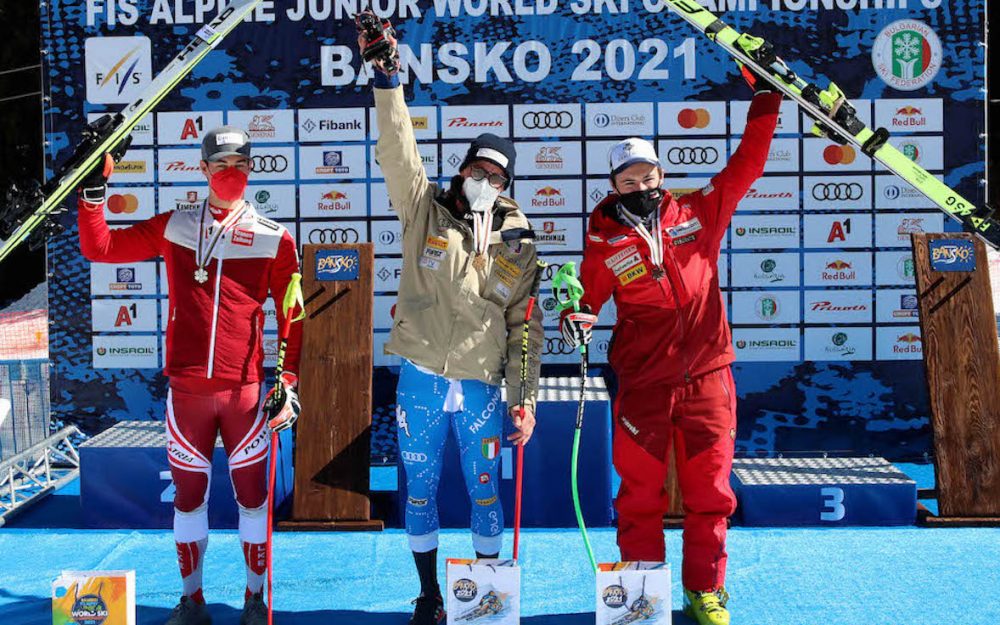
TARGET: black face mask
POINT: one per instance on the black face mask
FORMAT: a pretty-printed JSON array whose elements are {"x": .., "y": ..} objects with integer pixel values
[{"x": 641, "y": 203}]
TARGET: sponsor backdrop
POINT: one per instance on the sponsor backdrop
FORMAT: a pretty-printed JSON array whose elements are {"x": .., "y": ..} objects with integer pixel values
[{"x": 816, "y": 269}]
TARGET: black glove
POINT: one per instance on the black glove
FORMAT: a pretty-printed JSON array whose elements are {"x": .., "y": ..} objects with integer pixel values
[
  {"x": 94, "y": 185},
  {"x": 378, "y": 42}
]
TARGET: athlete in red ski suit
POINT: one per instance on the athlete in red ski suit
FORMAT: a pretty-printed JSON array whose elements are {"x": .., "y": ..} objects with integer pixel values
[
  {"x": 222, "y": 260},
  {"x": 671, "y": 351}
]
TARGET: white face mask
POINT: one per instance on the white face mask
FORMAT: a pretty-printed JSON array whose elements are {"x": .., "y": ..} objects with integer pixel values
[{"x": 480, "y": 194}]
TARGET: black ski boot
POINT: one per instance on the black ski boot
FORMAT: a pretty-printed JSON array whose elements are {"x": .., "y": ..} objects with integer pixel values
[
  {"x": 189, "y": 612},
  {"x": 429, "y": 610}
]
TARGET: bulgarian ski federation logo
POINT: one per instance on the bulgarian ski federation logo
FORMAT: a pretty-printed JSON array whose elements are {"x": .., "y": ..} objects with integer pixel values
[
  {"x": 117, "y": 68},
  {"x": 907, "y": 54}
]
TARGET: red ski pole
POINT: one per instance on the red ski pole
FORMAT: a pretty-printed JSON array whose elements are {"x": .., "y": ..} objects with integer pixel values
[
  {"x": 519, "y": 471},
  {"x": 293, "y": 298}
]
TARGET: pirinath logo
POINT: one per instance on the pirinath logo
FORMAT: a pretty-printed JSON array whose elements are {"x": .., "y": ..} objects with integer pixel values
[
  {"x": 907, "y": 54},
  {"x": 117, "y": 68}
]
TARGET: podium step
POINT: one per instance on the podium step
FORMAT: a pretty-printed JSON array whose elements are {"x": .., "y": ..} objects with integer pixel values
[{"x": 777, "y": 492}]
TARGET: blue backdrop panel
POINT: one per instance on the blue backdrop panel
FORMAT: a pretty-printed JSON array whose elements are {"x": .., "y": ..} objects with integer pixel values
[{"x": 826, "y": 360}]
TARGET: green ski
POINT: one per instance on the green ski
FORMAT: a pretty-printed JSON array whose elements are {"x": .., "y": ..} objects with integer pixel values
[
  {"x": 835, "y": 117},
  {"x": 26, "y": 213}
]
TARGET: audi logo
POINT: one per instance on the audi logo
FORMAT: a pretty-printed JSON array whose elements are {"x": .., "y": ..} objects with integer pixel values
[
  {"x": 829, "y": 191},
  {"x": 270, "y": 163},
  {"x": 557, "y": 346},
  {"x": 334, "y": 235},
  {"x": 551, "y": 270},
  {"x": 414, "y": 456},
  {"x": 692, "y": 156},
  {"x": 537, "y": 120}
]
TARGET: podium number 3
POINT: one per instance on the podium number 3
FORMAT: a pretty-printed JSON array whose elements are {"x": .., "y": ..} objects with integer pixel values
[{"x": 833, "y": 504}]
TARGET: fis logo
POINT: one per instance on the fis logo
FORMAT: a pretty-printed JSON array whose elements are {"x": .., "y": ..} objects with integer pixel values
[{"x": 117, "y": 68}]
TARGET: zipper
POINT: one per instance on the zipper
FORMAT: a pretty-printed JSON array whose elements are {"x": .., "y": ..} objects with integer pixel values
[
  {"x": 215, "y": 311},
  {"x": 680, "y": 311}
]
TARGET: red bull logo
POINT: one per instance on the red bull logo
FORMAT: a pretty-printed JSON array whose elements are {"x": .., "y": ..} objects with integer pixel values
[
  {"x": 548, "y": 197},
  {"x": 839, "y": 271},
  {"x": 909, "y": 116},
  {"x": 909, "y": 111},
  {"x": 334, "y": 201},
  {"x": 908, "y": 343}
]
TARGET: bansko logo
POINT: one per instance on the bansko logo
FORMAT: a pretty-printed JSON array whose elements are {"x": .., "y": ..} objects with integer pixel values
[
  {"x": 337, "y": 265},
  {"x": 952, "y": 255},
  {"x": 907, "y": 54},
  {"x": 614, "y": 596},
  {"x": 465, "y": 590},
  {"x": 89, "y": 610}
]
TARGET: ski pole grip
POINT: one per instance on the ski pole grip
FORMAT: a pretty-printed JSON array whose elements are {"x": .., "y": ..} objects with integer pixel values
[{"x": 566, "y": 288}]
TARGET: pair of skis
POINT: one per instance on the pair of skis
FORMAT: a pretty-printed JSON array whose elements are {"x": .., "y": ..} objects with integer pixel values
[
  {"x": 836, "y": 118},
  {"x": 29, "y": 214}
]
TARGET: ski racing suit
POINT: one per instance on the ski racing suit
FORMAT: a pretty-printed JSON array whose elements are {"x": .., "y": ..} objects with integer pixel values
[
  {"x": 671, "y": 350},
  {"x": 214, "y": 354},
  {"x": 458, "y": 328}
]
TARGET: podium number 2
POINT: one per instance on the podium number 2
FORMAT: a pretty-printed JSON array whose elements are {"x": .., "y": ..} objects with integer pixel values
[
  {"x": 833, "y": 504},
  {"x": 167, "y": 496}
]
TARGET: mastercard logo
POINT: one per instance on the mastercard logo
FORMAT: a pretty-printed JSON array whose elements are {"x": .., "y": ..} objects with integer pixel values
[
  {"x": 334, "y": 195},
  {"x": 694, "y": 118},
  {"x": 546, "y": 191},
  {"x": 123, "y": 203},
  {"x": 839, "y": 154}
]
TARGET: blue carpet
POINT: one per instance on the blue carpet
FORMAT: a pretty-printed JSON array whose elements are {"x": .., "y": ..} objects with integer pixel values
[{"x": 906, "y": 576}]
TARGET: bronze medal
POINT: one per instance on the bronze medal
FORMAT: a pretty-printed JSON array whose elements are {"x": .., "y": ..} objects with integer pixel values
[{"x": 479, "y": 262}]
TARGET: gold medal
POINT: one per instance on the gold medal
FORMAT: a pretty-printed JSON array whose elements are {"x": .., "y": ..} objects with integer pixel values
[{"x": 479, "y": 262}]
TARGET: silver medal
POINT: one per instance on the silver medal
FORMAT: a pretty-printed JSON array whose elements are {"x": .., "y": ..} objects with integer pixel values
[{"x": 201, "y": 276}]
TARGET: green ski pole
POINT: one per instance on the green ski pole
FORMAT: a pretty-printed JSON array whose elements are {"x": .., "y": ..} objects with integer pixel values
[{"x": 567, "y": 290}]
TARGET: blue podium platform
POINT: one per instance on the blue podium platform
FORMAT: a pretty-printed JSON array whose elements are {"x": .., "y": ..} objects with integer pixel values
[
  {"x": 125, "y": 479},
  {"x": 546, "y": 499},
  {"x": 782, "y": 492}
]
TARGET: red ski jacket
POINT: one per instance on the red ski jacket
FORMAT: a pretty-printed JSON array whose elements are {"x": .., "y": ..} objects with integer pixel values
[
  {"x": 673, "y": 328},
  {"x": 215, "y": 327}
]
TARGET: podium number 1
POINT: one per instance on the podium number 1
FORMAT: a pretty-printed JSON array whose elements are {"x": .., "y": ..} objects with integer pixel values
[{"x": 833, "y": 504}]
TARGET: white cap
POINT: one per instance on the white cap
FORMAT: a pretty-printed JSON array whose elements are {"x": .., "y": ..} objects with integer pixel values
[{"x": 631, "y": 151}]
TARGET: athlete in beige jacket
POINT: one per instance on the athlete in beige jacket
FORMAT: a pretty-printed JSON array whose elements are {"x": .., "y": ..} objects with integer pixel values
[{"x": 468, "y": 264}]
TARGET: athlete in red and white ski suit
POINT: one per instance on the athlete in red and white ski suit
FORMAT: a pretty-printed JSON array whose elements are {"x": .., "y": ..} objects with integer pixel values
[
  {"x": 214, "y": 356},
  {"x": 671, "y": 352}
]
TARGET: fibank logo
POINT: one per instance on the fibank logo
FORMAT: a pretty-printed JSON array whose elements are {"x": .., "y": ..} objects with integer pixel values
[{"x": 118, "y": 68}]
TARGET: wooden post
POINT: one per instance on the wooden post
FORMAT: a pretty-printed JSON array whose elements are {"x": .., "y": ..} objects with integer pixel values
[
  {"x": 962, "y": 363},
  {"x": 332, "y": 452},
  {"x": 675, "y": 512}
]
